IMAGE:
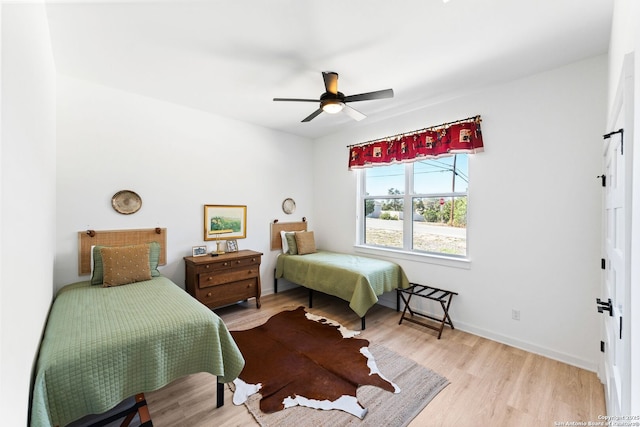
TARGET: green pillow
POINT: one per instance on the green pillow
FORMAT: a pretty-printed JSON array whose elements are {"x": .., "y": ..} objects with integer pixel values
[
  {"x": 291, "y": 241},
  {"x": 154, "y": 258},
  {"x": 98, "y": 268}
]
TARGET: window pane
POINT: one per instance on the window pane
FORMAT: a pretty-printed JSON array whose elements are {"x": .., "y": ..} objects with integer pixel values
[
  {"x": 383, "y": 222},
  {"x": 384, "y": 180},
  {"x": 440, "y": 225},
  {"x": 437, "y": 175}
]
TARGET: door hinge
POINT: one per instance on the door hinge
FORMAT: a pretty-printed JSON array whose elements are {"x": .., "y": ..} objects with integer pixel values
[
  {"x": 604, "y": 306},
  {"x": 621, "y": 132},
  {"x": 603, "y": 264},
  {"x": 602, "y": 346},
  {"x": 603, "y": 177}
]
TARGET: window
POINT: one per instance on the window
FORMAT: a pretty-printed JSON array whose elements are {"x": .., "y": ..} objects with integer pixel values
[{"x": 417, "y": 207}]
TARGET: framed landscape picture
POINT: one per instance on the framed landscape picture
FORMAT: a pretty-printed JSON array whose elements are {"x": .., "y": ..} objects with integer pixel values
[{"x": 224, "y": 222}]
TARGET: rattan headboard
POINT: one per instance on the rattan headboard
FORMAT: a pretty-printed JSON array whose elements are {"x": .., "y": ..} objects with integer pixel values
[
  {"x": 277, "y": 227},
  {"x": 89, "y": 238}
]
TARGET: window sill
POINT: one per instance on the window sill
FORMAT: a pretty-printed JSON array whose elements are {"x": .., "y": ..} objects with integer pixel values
[{"x": 443, "y": 260}]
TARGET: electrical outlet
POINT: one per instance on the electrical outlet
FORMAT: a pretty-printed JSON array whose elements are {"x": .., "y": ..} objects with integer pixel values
[{"x": 515, "y": 314}]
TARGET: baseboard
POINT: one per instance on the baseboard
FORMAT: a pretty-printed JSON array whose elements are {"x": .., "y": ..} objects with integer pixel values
[
  {"x": 530, "y": 347},
  {"x": 389, "y": 300}
]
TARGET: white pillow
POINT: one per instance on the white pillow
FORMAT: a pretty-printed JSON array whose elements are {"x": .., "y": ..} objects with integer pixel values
[{"x": 285, "y": 245}]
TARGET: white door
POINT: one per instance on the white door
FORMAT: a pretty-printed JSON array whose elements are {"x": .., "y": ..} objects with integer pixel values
[{"x": 617, "y": 251}]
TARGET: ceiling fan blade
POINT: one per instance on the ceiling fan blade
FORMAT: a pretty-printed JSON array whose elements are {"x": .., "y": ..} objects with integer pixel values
[
  {"x": 312, "y": 115},
  {"x": 296, "y": 99},
  {"x": 353, "y": 113},
  {"x": 379, "y": 94},
  {"x": 330, "y": 81}
]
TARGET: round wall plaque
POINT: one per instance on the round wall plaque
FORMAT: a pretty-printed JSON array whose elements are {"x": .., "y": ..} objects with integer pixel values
[
  {"x": 126, "y": 202},
  {"x": 288, "y": 206}
]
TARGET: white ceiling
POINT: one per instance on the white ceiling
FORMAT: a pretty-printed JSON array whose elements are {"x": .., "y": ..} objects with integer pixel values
[{"x": 232, "y": 57}]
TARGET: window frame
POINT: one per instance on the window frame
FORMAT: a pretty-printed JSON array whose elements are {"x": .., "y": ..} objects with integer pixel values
[{"x": 407, "y": 251}]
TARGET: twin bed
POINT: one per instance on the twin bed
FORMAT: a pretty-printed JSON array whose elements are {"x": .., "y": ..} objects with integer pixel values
[
  {"x": 355, "y": 279},
  {"x": 103, "y": 345}
]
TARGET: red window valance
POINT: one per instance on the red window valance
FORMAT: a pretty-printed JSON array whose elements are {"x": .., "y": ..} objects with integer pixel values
[{"x": 462, "y": 136}]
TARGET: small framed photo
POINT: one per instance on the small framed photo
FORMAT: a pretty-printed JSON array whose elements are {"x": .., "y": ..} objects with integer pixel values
[
  {"x": 199, "y": 251},
  {"x": 232, "y": 246}
]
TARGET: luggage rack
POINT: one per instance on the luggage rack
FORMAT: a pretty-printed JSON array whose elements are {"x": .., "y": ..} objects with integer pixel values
[{"x": 442, "y": 296}]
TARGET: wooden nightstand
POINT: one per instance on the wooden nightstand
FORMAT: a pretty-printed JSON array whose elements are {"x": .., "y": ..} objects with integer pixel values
[{"x": 224, "y": 279}]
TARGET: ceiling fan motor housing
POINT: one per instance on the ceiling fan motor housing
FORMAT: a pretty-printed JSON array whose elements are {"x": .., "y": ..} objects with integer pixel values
[{"x": 329, "y": 95}]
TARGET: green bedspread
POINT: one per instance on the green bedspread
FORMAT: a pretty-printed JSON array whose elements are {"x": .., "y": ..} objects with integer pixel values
[
  {"x": 103, "y": 345},
  {"x": 356, "y": 279}
]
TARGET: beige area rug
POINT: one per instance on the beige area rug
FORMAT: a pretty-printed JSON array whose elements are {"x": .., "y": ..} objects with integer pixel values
[{"x": 418, "y": 385}]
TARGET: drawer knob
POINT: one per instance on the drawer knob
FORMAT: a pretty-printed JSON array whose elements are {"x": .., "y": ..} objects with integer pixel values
[
  {"x": 253, "y": 260},
  {"x": 209, "y": 278},
  {"x": 238, "y": 262},
  {"x": 207, "y": 266},
  {"x": 225, "y": 264},
  {"x": 209, "y": 294}
]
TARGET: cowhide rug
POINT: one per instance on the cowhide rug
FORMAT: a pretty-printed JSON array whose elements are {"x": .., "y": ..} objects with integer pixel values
[{"x": 296, "y": 358}]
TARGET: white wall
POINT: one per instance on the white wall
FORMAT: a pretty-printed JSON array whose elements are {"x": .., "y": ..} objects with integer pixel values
[
  {"x": 28, "y": 200},
  {"x": 534, "y": 209},
  {"x": 177, "y": 159}
]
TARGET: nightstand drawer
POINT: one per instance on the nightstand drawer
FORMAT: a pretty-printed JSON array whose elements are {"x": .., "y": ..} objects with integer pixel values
[
  {"x": 207, "y": 280},
  {"x": 221, "y": 265},
  {"x": 228, "y": 293}
]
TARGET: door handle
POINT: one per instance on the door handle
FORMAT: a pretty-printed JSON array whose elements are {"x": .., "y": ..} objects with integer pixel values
[{"x": 605, "y": 306}]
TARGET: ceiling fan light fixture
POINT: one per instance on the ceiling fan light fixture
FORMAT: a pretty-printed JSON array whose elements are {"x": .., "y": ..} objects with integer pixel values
[{"x": 332, "y": 106}]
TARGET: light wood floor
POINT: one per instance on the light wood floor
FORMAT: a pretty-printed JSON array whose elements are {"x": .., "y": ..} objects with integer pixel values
[{"x": 492, "y": 384}]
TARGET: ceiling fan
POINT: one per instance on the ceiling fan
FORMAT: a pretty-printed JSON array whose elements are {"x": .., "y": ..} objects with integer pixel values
[{"x": 333, "y": 102}]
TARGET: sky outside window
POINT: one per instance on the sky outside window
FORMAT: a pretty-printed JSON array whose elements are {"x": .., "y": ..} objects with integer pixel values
[{"x": 430, "y": 176}]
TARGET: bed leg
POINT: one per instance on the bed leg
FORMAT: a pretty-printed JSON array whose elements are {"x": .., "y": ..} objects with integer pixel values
[
  {"x": 362, "y": 323},
  {"x": 310, "y": 298},
  {"x": 219, "y": 393},
  {"x": 275, "y": 282}
]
